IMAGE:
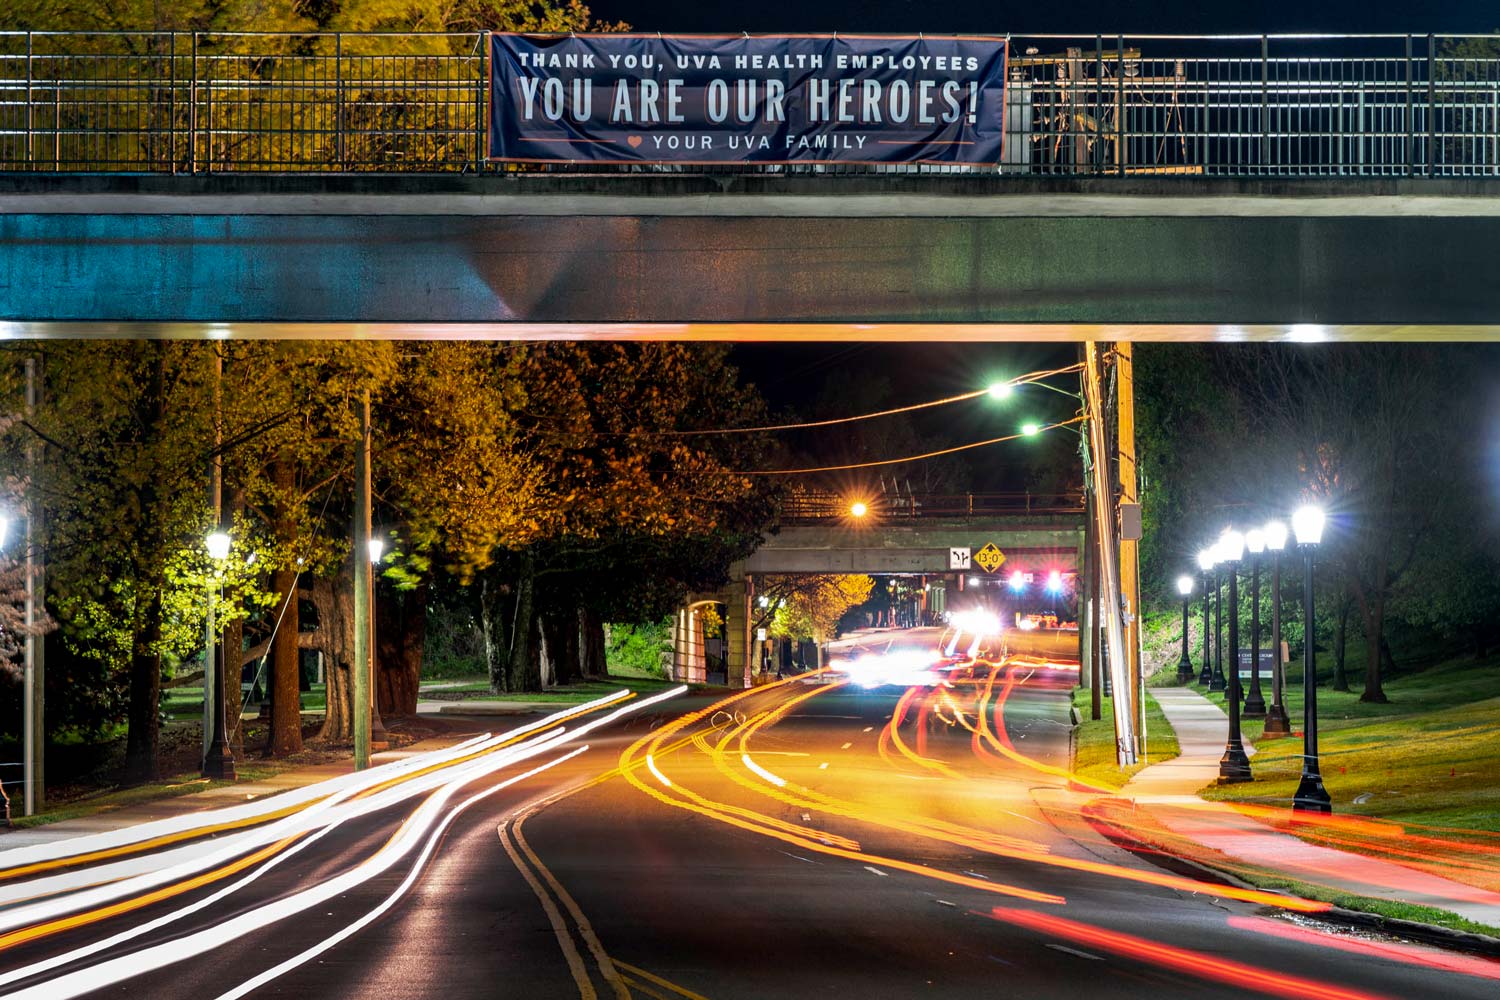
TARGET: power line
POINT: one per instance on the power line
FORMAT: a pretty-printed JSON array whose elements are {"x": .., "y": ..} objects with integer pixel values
[
  {"x": 1018, "y": 380},
  {"x": 908, "y": 458}
]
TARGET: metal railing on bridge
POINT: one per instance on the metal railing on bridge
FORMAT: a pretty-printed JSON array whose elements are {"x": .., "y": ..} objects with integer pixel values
[
  {"x": 822, "y": 508},
  {"x": 1098, "y": 105}
]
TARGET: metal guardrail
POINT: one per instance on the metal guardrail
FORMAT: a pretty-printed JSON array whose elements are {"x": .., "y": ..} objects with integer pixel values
[
  {"x": 805, "y": 508},
  {"x": 1098, "y": 105}
]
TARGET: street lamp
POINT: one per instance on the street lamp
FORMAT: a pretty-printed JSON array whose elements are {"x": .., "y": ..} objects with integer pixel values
[
  {"x": 218, "y": 761},
  {"x": 1185, "y": 665},
  {"x": 1031, "y": 429},
  {"x": 379, "y": 738},
  {"x": 1255, "y": 701},
  {"x": 1002, "y": 390},
  {"x": 858, "y": 509},
  {"x": 1277, "y": 723},
  {"x": 1206, "y": 566},
  {"x": 1217, "y": 682},
  {"x": 1234, "y": 766},
  {"x": 1307, "y": 526}
]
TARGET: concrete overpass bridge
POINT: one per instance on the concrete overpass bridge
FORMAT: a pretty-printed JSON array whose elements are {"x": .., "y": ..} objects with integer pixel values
[{"x": 932, "y": 538}]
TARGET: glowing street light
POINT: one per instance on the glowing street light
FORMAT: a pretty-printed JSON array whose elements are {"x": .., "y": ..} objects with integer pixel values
[
  {"x": 1307, "y": 525},
  {"x": 1255, "y": 701},
  {"x": 1234, "y": 766},
  {"x": 858, "y": 509},
  {"x": 1206, "y": 567},
  {"x": 1018, "y": 581},
  {"x": 1277, "y": 723},
  {"x": 377, "y": 549},
  {"x": 218, "y": 545},
  {"x": 1184, "y": 665},
  {"x": 1031, "y": 429},
  {"x": 1002, "y": 390},
  {"x": 1054, "y": 582}
]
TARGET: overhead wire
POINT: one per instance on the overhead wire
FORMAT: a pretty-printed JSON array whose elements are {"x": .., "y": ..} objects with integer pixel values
[
  {"x": 1027, "y": 379},
  {"x": 907, "y": 458}
]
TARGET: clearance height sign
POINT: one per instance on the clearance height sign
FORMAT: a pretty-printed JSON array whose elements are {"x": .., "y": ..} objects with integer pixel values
[{"x": 746, "y": 99}]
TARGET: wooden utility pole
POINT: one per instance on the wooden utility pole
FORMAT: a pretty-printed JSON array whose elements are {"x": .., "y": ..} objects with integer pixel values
[
  {"x": 34, "y": 735},
  {"x": 363, "y": 581},
  {"x": 1130, "y": 570}
]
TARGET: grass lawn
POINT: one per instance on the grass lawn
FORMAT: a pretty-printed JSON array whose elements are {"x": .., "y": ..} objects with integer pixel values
[
  {"x": 478, "y": 689},
  {"x": 1430, "y": 756},
  {"x": 1094, "y": 741},
  {"x": 186, "y": 703}
]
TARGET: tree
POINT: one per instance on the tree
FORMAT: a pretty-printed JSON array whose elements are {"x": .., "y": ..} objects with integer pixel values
[{"x": 809, "y": 606}]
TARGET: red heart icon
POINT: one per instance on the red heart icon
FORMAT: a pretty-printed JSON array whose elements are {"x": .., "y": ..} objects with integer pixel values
[{"x": 634, "y": 141}]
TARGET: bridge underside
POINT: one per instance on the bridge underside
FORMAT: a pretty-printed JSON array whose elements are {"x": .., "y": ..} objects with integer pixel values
[
  {"x": 695, "y": 258},
  {"x": 1035, "y": 544}
]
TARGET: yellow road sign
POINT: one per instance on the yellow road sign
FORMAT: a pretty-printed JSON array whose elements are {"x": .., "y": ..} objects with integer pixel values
[{"x": 989, "y": 558}]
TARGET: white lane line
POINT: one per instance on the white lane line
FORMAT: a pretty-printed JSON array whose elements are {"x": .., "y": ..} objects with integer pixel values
[
  {"x": 846, "y": 746},
  {"x": 1074, "y": 951},
  {"x": 877, "y": 871},
  {"x": 823, "y": 766},
  {"x": 799, "y": 857},
  {"x": 869, "y": 728}
]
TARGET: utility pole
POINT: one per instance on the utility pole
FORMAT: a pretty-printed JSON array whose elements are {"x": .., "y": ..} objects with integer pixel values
[
  {"x": 34, "y": 735},
  {"x": 1130, "y": 522},
  {"x": 363, "y": 582},
  {"x": 210, "y": 627}
]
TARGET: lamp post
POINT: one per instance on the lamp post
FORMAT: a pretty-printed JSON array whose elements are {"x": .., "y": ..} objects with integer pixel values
[
  {"x": 1307, "y": 526},
  {"x": 1185, "y": 665},
  {"x": 1255, "y": 701},
  {"x": 1234, "y": 766},
  {"x": 1277, "y": 723},
  {"x": 218, "y": 762},
  {"x": 1206, "y": 566},
  {"x": 1216, "y": 683},
  {"x": 379, "y": 738}
]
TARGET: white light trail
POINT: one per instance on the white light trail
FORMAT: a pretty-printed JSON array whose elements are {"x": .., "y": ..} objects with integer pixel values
[
  {"x": 774, "y": 779},
  {"x": 118, "y": 970}
]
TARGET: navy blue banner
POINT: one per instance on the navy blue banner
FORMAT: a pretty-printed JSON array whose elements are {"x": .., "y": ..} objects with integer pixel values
[{"x": 746, "y": 99}]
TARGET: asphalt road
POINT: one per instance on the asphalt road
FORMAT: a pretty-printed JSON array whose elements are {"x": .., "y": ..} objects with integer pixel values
[{"x": 791, "y": 842}]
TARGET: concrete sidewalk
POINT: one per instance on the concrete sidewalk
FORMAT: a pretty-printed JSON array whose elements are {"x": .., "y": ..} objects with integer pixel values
[{"x": 1169, "y": 792}]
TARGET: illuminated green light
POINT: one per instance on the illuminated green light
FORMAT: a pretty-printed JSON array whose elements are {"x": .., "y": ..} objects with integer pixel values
[
  {"x": 1031, "y": 430},
  {"x": 1002, "y": 390}
]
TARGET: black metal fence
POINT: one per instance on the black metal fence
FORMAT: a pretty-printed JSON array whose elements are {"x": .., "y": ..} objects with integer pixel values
[{"x": 1236, "y": 106}]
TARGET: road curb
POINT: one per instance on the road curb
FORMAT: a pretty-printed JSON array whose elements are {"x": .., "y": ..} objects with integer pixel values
[{"x": 1444, "y": 937}]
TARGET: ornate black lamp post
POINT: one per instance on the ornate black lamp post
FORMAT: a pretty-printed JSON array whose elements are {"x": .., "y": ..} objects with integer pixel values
[
  {"x": 1307, "y": 526},
  {"x": 1234, "y": 766},
  {"x": 1206, "y": 566},
  {"x": 1255, "y": 701},
  {"x": 1185, "y": 665},
  {"x": 1277, "y": 723}
]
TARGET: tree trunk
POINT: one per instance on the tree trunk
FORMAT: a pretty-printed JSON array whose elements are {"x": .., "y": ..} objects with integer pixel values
[
  {"x": 1387, "y": 660},
  {"x": 145, "y": 697},
  {"x": 334, "y": 600},
  {"x": 525, "y": 664},
  {"x": 492, "y": 628},
  {"x": 286, "y": 659},
  {"x": 1374, "y": 635},
  {"x": 1340, "y": 646},
  {"x": 400, "y": 634},
  {"x": 562, "y": 646},
  {"x": 592, "y": 645}
]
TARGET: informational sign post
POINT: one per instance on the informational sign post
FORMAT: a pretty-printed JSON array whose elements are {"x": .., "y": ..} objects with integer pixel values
[{"x": 696, "y": 99}]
